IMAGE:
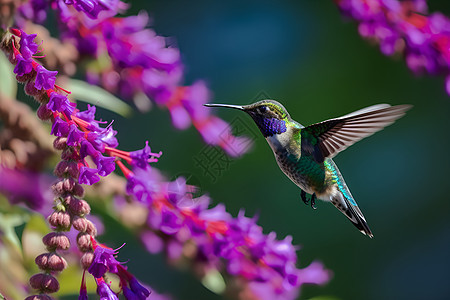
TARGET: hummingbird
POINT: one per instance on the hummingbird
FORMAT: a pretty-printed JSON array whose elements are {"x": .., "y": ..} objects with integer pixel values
[{"x": 305, "y": 154}]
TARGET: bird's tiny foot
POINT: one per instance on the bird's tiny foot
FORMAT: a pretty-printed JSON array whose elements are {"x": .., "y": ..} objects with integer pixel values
[
  {"x": 304, "y": 199},
  {"x": 313, "y": 201}
]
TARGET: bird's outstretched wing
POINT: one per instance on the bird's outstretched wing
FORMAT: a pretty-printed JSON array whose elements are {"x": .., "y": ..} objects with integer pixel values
[{"x": 328, "y": 138}]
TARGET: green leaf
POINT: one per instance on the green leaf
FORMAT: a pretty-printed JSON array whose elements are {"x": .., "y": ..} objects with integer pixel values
[
  {"x": 97, "y": 96},
  {"x": 7, "y": 224},
  {"x": 8, "y": 83}
]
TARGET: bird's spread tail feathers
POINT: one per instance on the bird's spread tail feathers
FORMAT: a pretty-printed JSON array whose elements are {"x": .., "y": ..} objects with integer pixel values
[{"x": 352, "y": 212}]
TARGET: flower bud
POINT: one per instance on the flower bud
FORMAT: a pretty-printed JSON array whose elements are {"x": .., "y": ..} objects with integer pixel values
[
  {"x": 60, "y": 142},
  {"x": 84, "y": 241},
  {"x": 30, "y": 88},
  {"x": 51, "y": 262},
  {"x": 60, "y": 220},
  {"x": 64, "y": 167},
  {"x": 58, "y": 188},
  {"x": 68, "y": 184},
  {"x": 86, "y": 259},
  {"x": 43, "y": 112},
  {"x": 79, "y": 207},
  {"x": 56, "y": 240},
  {"x": 68, "y": 153},
  {"x": 44, "y": 282},
  {"x": 26, "y": 77},
  {"x": 78, "y": 190}
]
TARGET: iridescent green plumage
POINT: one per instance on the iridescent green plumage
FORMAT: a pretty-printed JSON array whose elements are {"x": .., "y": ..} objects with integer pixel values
[{"x": 305, "y": 154}]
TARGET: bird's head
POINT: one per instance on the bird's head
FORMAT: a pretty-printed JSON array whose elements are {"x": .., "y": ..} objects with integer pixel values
[{"x": 270, "y": 116}]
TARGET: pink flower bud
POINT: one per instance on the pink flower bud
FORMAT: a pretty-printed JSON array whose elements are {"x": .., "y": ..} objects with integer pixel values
[
  {"x": 31, "y": 90},
  {"x": 26, "y": 77},
  {"x": 68, "y": 184},
  {"x": 66, "y": 167},
  {"x": 68, "y": 153},
  {"x": 86, "y": 259},
  {"x": 79, "y": 207},
  {"x": 80, "y": 223},
  {"x": 44, "y": 282},
  {"x": 43, "y": 112},
  {"x": 84, "y": 241},
  {"x": 60, "y": 220},
  {"x": 78, "y": 190},
  {"x": 83, "y": 225},
  {"x": 56, "y": 240},
  {"x": 60, "y": 142},
  {"x": 51, "y": 262},
  {"x": 58, "y": 188}
]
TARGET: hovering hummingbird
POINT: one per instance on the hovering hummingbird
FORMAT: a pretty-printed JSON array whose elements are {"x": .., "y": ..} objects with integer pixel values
[{"x": 305, "y": 154}]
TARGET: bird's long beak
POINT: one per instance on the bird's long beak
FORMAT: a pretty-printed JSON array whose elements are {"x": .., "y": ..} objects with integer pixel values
[{"x": 240, "y": 107}]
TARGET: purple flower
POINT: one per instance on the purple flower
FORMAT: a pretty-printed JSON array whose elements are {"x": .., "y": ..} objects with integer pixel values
[
  {"x": 236, "y": 246},
  {"x": 23, "y": 66},
  {"x": 27, "y": 45},
  {"x": 144, "y": 65},
  {"x": 105, "y": 165},
  {"x": 96, "y": 142},
  {"x": 140, "y": 158},
  {"x": 44, "y": 78},
  {"x": 88, "y": 176},
  {"x": 74, "y": 136},
  {"x": 108, "y": 137},
  {"x": 104, "y": 261},
  {"x": 86, "y": 148},
  {"x": 60, "y": 103},
  {"x": 314, "y": 274},
  {"x": 93, "y": 7},
  {"x": 87, "y": 115},
  {"x": 138, "y": 289},
  {"x": 171, "y": 222},
  {"x": 59, "y": 127},
  {"x": 104, "y": 291},
  {"x": 34, "y": 10}
]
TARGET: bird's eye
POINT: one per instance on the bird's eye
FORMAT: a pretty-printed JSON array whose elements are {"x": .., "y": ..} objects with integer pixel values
[{"x": 262, "y": 109}]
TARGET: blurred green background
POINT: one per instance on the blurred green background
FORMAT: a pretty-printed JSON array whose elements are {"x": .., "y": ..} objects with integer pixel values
[{"x": 307, "y": 56}]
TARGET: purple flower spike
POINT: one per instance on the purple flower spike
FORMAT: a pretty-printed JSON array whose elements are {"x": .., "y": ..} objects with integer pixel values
[
  {"x": 27, "y": 45},
  {"x": 404, "y": 27},
  {"x": 45, "y": 79},
  {"x": 88, "y": 176}
]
